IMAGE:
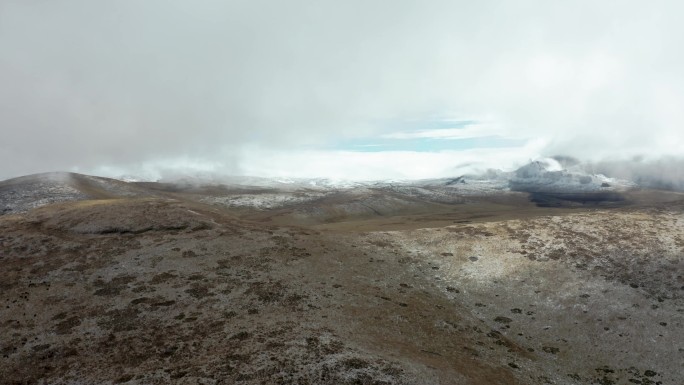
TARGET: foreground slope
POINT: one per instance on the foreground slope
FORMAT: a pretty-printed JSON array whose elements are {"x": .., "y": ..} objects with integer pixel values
[
  {"x": 191, "y": 295},
  {"x": 162, "y": 286}
]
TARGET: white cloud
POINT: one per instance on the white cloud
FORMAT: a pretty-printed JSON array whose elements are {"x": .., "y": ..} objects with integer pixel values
[
  {"x": 350, "y": 165},
  {"x": 467, "y": 132},
  {"x": 89, "y": 84},
  {"x": 162, "y": 169}
]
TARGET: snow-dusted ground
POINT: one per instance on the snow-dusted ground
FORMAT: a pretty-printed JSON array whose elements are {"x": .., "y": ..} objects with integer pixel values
[
  {"x": 263, "y": 201},
  {"x": 23, "y": 194},
  {"x": 542, "y": 176},
  {"x": 447, "y": 189}
]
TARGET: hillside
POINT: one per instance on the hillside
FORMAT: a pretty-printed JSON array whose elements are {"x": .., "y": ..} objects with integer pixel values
[{"x": 153, "y": 283}]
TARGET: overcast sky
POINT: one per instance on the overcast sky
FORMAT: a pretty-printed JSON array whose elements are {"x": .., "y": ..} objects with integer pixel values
[{"x": 341, "y": 89}]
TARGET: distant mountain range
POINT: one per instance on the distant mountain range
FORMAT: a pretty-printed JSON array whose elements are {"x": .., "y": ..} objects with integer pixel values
[{"x": 546, "y": 180}]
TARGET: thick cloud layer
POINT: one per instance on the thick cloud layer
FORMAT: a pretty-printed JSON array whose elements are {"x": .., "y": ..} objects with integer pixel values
[
  {"x": 664, "y": 173},
  {"x": 134, "y": 85}
]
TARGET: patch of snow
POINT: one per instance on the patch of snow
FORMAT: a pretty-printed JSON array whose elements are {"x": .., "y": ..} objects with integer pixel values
[
  {"x": 263, "y": 201},
  {"x": 23, "y": 194}
]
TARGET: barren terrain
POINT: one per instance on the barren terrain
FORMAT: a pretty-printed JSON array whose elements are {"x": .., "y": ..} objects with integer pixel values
[{"x": 108, "y": 282}]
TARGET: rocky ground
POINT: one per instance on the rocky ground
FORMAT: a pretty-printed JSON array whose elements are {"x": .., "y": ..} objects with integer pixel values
[{"x": 125, "y": 283}]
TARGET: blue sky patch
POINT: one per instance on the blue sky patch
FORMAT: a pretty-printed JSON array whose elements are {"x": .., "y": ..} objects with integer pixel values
[
  {"x": 425, "y": 144},
  {"x": 419, "y": 125},
  {"x": 429, "y": 136}
]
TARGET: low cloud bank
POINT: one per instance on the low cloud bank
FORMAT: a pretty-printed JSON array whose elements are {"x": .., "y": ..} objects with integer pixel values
[
  {"x": 666, "y": 172},
  {"x": 662, "y": 173}
]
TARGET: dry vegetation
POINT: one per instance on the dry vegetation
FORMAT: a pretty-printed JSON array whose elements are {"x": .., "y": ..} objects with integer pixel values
[{"x": 158, "y": 287}]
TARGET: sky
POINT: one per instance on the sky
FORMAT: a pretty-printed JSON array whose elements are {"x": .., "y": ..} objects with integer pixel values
[{"x": 339, "y": 89}]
